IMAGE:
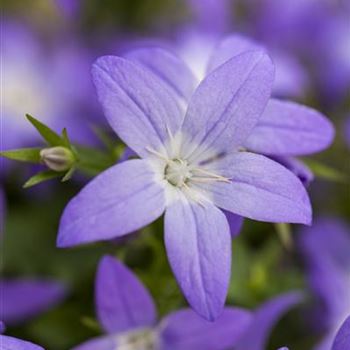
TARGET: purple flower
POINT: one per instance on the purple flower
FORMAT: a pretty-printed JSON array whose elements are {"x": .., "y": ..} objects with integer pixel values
[
  {"x": 318, "y": 32},
  {"x": 214, "y": 18},
  {"x": 29, "y": 67},
  {"x": 127, "y": 313},
  {"x": 342, "y": 338},
  {"x": 191, "y": 165},
  {"x": 70, "y": 8},
  {"x": 184, "y": 169},
  {"x": 265, "y": 318},
  {"x": 24, "y": 298},
  {"x": 285, "y": 129},
  {"x": 325, "y": 247},
  {"x": 10, "y": 343}
]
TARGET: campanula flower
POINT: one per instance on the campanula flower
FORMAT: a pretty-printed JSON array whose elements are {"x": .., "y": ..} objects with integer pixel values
[
  {"x": 127, "y": 314},
  {"x": 25, "y": 298},
  {"x": 191, "y": 166},
  {"x": 70, "y": 8},
  {"x": 285, "y": 130},
  {"x": 10, "y": 343},
  {"x": 211, "y": 22},
  {"x": 325, "y": 247},
  {"x": 48, "y": 84},
  {"x": 316, "y": 31},
  {"x": 265, "y": 318}
]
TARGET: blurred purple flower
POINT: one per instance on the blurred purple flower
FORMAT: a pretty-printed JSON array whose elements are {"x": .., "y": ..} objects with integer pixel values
[
  {"x": 325, "y": 247},
  {"x": 25, "y": 298},
  {"x": 70, "y": 8},
  {"x": 43, "y": 82},
  {"x": 127, "y": 314},
  {"x": 10, "y": 343},
  {"x": 265, "y": 318},
  {"x": 285, "y": 129},
  {"x": 214, "y": 18},
  {"x": 190, "y": 166},
  {"x": 342, "y": 338},
  {"x": 317, "y": 31}
]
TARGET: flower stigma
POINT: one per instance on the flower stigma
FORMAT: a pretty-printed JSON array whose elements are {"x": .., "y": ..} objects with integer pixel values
[{"x": 181, "y": 171}]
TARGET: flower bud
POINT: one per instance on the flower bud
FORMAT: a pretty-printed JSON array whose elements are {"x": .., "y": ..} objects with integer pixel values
[{"x": 57, "y": 158}]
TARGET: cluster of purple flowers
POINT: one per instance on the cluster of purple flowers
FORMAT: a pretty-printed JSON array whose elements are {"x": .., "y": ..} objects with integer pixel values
[{"x": 211, "y": 139}]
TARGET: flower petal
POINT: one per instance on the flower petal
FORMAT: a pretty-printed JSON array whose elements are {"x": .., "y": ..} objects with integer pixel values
[
  {"x": 198, "y": 245},
  {"x": 112, "y": 204},
  {"x": 258, "y": 333},
  {"x": 122, "y": 302},
  {"x": 235, "y": 222},
  {"x": 230, "y": 46},
  {"x": 228, "y": 103},
  {"x": 289, "y": 129},
  {"x": 10, "y": 343},
  {"x": 140, "y": 108},
  {"x": 342, "y": 339},
  {"x": 100, "y": 343},
  {"x": 297, "y": 167},
  {"x": 168, "y": 67},
  {"x": 325, "y": 247},
  {"x": 25, "y": 298},
  {"x": 260, "y": 189},
  {"x": 185, "y": 330}
]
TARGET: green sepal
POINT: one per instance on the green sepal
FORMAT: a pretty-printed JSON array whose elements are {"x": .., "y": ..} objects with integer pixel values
[
  {"x": 31, "y": 155},
  {"x": 68, "y": 174},
  {"x": 284, "y": 232},
  {"x": 50, "y": 136},
  {"x": 41, "y": 177},
  {"x": 90, "y": 323}
]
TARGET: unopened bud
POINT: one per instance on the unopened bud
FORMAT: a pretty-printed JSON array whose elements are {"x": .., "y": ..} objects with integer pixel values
[{"x": 57, "y": 158}]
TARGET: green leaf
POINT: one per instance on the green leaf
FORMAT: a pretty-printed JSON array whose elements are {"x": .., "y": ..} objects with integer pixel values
[
  {"x": 65, "y": 139},
  {"x": 50, "y": 136},
  {"x": 41, "y": 177},
  {"x": 31, "y": 155},
  {"x": 68, "y": 174},
  {"x": 326, "y": 172}
]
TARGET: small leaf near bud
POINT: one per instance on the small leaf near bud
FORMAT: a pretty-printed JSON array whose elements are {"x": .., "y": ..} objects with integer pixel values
[{"x": 57, "y": 158}]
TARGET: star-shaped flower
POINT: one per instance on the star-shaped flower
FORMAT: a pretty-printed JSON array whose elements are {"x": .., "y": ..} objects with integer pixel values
[
  {"x": 191, "y": 167},
  {"x": 127, "y": 313}
]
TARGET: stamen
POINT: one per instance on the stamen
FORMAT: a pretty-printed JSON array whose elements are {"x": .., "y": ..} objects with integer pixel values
[
  {"x": 156, "y": 153},
  {"x": 209, "y": 179},
  {"x": 213, "y": 176}
]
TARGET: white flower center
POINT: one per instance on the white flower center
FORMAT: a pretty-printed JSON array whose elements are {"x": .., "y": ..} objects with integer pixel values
[
  {"x": 177, "y": 172},
  {"x": 181, "y": 169},
  {"x": 141, "y": 339}
]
